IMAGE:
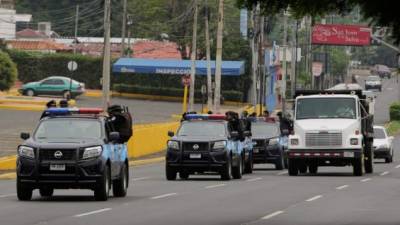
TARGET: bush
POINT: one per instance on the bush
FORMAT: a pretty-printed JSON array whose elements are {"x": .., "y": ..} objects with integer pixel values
[
  {"x": 172, "y": 92},
  {"x": 394, "y": 111},
  {"x": 8, "y": 72}
]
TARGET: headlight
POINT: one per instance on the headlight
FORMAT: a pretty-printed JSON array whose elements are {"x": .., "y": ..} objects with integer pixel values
[
  {"x": 26, "y": 152},
  {"x": 92, "y": 152},
  {"x": 219, "y": 145},
  {"x": 354, "y": 141},
  {"x": 273, "y": 141},
  {"x": 173, "y": 145},
  {"x": 294, "y": 141}
]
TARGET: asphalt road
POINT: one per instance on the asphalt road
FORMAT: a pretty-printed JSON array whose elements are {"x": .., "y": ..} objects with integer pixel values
[{"x": 267, "y": 196}]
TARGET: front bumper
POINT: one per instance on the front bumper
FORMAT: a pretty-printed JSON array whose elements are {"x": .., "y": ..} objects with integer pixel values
[
  {"x": 325, "y": 157},
  {"x": 381, "y": 153},
  {"x": 267, "y": 154},
  {"x": 77, "y": 175}
]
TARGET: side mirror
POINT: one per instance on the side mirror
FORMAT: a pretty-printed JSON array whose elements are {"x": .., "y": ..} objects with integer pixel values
[
  {"x": 171, "y": 133},
  {"x": 114, "y": 136},
  {"x": 247, "y": 133},
  {"x": 285, "y": 132},
  {"x": 25, "y": 136},
  {"x": 234, "y": 134}
]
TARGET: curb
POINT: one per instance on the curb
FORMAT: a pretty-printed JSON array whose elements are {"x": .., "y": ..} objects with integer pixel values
[{"x": 22, "y": 107}]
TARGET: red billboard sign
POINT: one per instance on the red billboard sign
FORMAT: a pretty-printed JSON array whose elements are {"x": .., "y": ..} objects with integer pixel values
[{"x": 338, "y": 34}]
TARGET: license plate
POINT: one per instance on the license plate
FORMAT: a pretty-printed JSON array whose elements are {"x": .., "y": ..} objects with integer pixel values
[
  {"x": 57, "y": 167},
  {"x": 195, "y": 156},
  {"x": 348, "y": 154},
  {"x": 256, "y": 151}
]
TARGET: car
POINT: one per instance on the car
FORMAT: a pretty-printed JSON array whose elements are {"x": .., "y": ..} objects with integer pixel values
[
  {"x": 373, "y": 82},
  {"x": 55, "y": 85},
  {"x": 73, "y": 148},
  {"x": 382, "y": 71},
  {"x": 203, "y": 144},
  {"x": 269, "y": 143},
  {"x": 346, "y": 86},
  {"x": 383, "y": 148}
]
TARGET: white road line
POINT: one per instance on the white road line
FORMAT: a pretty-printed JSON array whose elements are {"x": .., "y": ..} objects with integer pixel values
[
  {"x": 254, "y": 179},
  {"x": 140, "y": 178},
  {"x": 384, "y": 173},
  {"x": 93, "y": 212},
  {"x": 282, "y": 173},
  {"x": 163, "y": 196},
  {"x": 342, "y": 187},
  {"x": 366, "y": 179},
  {"x": 398, "y": 166},
  {"x": 272, "y": 215},
  {"x": 215, "y": 186},
  {"x": 7, "y": 195},
  {"x": 314, "y": 198}
]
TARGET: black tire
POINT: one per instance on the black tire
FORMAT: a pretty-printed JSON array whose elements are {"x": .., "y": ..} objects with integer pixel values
[
  {"x": 369, "y": 161},
  {"x": 102, "y": 191},
  {"x": 280, "y": 164},
  {"x": 120, "y": 186},
  {"x": 358, "y": 167},
  {"x": 286, "y": 163},
  {"x": 237, "y": 170},
  {"x": 292, "y": 167},
  {"x": 170, "y": 173},
  {"x": 249, "y": 166},
  {"x": 184, "y": 175},
  {"x": 226, "y": 173},
  {"x": 313, "y": 168},
  {"x": 46, "y": 192},
  {"x": 302, "y": 168},
  {"x": 30, "y": 92},
  {"x": 23, "y": 193}
]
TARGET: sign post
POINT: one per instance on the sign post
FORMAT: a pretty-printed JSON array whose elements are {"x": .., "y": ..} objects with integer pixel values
[
  {"x": 72, "y": 66},
  {"x": 186, "y": 83},
  {"x": 203, "y": 94}
]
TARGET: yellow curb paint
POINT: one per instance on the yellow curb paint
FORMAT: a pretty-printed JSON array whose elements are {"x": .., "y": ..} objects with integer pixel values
[
  {"x": 22, "y": 107},
  {"x": 8, "y": 176},
  {"x": 146, "y": 161},
  {"x": 8, "y": 163}
]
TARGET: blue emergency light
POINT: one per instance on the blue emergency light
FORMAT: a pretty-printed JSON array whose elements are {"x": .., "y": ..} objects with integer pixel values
[
  {"x": 68, "y": 111},
  {"x": 205, "y": 117}
]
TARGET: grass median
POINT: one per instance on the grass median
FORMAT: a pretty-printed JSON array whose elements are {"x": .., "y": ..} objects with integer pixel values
[{"x": 393, "y": 127}]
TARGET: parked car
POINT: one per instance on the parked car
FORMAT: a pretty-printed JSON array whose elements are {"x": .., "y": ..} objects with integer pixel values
[
  {"x": 55, "y": 85},
  {"x": 373, "y": 82},
  {"x": 383, "y": 148},
  {"x": 382, "y": 71}
]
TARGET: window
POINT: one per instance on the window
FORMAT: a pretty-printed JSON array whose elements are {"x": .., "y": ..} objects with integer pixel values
[
  {"x": 48, "y": 82},
  {"x": 208, "y": 129},
  {"x": 322, "y": 108},
  {"x": 58, "y": 82},
  {"x": 379, "y": 133},
  {"x": 69, "y": 129}
]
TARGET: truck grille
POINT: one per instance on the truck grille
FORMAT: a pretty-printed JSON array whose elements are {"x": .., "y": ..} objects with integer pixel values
[
  {"x": 323, "y": 139},
  {"x": 48, "y": 154},
  {"x": 259, "y": 143},
  {"x": 192, "y": 146}
]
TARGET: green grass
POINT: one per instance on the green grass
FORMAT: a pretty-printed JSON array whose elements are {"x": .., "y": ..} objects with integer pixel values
[{"x": 393, "y": 127}]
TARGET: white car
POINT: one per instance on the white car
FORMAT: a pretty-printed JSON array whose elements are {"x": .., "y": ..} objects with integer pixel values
[
  {"x": 383, "y": 148},
  {"x": 373, "y": 82}
]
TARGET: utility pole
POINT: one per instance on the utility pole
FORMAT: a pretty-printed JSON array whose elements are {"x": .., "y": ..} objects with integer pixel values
[
  {"x": 253, "y": 58},
  {"x": 309, "y": 51},
  {"x": 124, "y": 28},
  {"x": 218, "y": 58},
  {"x": 293, "y": 62},
  {"x": 261, "y": 68},
  {"x": 193, "y": 59},
  {"x": 209, "y": 78},
  {"x": 76, "y": 27},
  {"x": 106, "y": 54},
  {"x": 284, "y": 47}
]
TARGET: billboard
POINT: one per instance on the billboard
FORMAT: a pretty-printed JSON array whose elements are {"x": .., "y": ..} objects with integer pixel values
[{"x": 339, "y": 34}]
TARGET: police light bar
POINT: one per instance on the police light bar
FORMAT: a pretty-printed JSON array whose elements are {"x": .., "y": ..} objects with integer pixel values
[
  {"x": 68, "y": 111},
  {"x": 205, "y": 117},
  {"x": 263, "y": 119}
]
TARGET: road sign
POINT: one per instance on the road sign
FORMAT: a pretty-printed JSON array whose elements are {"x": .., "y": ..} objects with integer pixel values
[
  {"x": 186, "y": 80},
  {"x": 72, "y": 66}
]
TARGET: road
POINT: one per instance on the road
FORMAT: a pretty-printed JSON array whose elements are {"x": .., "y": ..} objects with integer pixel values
[{"x": 267, "y": 196}]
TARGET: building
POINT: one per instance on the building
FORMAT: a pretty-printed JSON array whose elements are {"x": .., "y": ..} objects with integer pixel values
[
  {"x": 7, "y": 4},
  {"x": 8, "y": 20}
]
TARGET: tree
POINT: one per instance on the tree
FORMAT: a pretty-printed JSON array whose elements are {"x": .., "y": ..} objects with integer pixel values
[{"x": 8, "y": 72}]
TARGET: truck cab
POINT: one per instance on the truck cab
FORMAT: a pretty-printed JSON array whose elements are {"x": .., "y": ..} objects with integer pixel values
[{"x": 331, "y": 128}]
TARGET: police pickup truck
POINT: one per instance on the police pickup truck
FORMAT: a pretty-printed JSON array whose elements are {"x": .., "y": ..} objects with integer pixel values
[
  {"x": 331, "y": 128},
  {"x": 73, "y": 148},
  {"x": 208, "y": 143}
]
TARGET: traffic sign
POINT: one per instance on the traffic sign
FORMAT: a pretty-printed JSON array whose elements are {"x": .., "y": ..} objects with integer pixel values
[{"x": 72, "y": 66}]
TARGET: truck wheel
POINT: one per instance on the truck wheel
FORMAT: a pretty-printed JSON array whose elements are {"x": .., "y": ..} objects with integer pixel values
[
  {"x": 46, "y": 192},
  {"x": 248, "y": 168},
  {"x": 279, "y": 164},
  {"x": 226, "y": 173},
  {"x": 292, "y": 167},
  {"x": 102, "y": 192},
  {"x": 313, "y": 168},
  {"x": 183, "y": 175},
  {"x": 23, "y": 193},
  {"x": 369, "y": 162},
  {"x": 237, "y": 171},
  {"x": 170, "y": 173},
  {"x": 302, "y": 168},
  {"x": 120, "y": 186},
  {"x": 358, "y": 167}
]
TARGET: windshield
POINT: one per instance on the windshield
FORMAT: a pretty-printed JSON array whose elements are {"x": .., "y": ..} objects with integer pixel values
[
  {"x": 69, "y": 129},
  {"x": 321, "y": 108},
  {"x": 264, "y": 129},
  {"x": 212, "y": 129},
  {"x": 373, "y": 78},
  {"x": 379, "y": 133}
]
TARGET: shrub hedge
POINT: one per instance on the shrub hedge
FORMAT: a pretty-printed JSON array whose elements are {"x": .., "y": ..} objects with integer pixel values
[
  {"x": 8, "y": 72},
  {"x": 394, "y": 111}
]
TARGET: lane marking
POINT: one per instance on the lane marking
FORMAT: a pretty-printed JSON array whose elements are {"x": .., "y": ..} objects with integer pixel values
[
  {"x": 93, "y": 212},
  {"x": 140, "y": 178},
  {"x": 282, "y": 173},
  {"x": 342, "y": 187},
  {"x": 398, "y": 166},
  {"x": 314, "y": 198},
  {"x": 366, "y": 179},
  {"x": 254, "y": 179},
  {"x": 384, "y": 173},
  {"x": 163, "y": 196},
  {"x": 272, "y": 215},
  {"x": 215, "y": 186},
  {"x": 7, "y": 195}
]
